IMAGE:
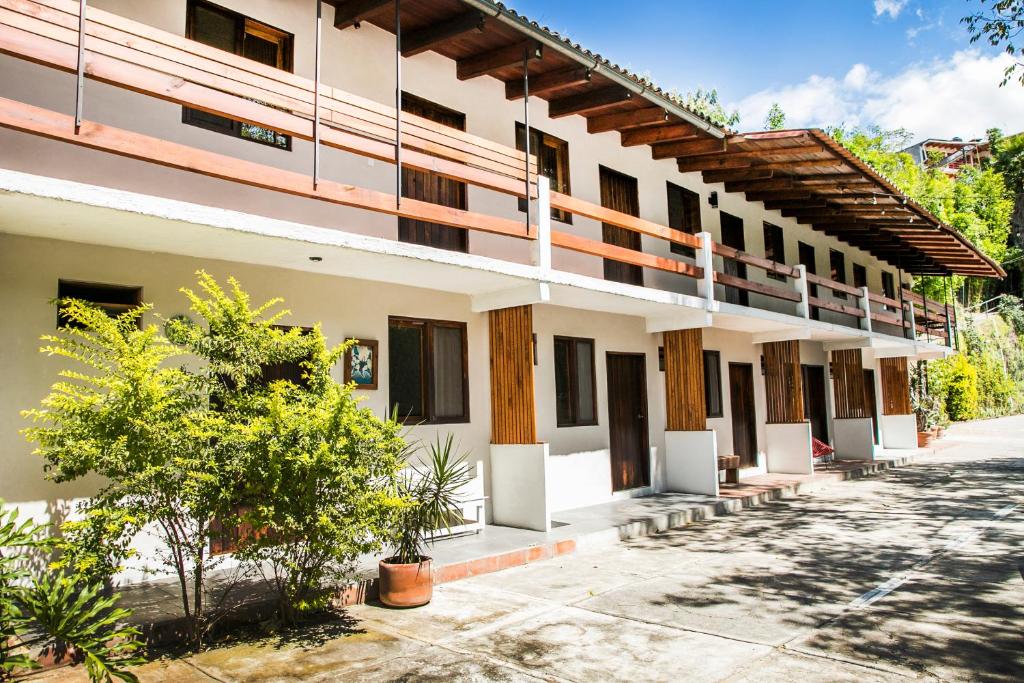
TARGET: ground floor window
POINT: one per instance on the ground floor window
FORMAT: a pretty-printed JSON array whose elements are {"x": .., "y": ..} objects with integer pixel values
[
  {"x": 113, "y": 299},
  {"x": 428, "y": 380},
  {"x": 713, "y": 383},
  {"x": 575, "y": 402}
]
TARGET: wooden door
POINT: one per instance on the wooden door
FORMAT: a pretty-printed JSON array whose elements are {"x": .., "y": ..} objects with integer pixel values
[
  {"x": 744, "y": 422},
  {"x": 871, "y": 402},
  {"x": 815, "y": 407},
  {"x": 620, "y": 192},
  {"x": 433, "y": 188},
  {"x": 627, "y": 420},
  {"x": 732, "y": 236},
  {"x": 806, "y": 258}
]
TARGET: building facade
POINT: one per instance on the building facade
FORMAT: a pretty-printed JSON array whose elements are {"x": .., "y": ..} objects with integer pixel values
[{"x": 597, "y": 291}]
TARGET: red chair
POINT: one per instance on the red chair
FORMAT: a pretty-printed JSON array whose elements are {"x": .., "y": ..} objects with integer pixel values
[{"x": 822, "y": 452}]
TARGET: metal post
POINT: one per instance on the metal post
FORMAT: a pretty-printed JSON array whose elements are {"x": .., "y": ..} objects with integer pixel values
[
  {"x": 398, "y": 104},
  {"x": 80, "y": 92},
  {"x": 526, "y": 125},
  {"x": 316, "y": 95},
  {"x": 951, "y": 335}
]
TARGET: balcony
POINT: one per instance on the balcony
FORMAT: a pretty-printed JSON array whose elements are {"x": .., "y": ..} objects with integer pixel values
[{"x": 138, "y": 58}]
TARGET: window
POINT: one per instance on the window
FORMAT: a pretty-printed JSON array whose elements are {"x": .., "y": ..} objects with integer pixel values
[
  {"x": 837, "y": 270},
  {"x": 683, "y": 215},
  {"x": 888, "y": 287},
  {"x": 552, "y": 163},
  {"x": 114, "y": 299},
  {"x": 232, "y": 32},
  {"x": 713, "y": 383},
  {"x": 774, "y": 248},
  {"x": 860, "y": 275},
  {"x": 427, "y": 370},
  {"x": 575, "y": 403}
]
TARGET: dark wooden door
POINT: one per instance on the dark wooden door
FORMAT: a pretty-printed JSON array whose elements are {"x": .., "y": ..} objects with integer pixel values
[
  {"x": 744, "y": 424},
  {"x": 620, "y": 192},
  {"x": 627, "y": 420},
  {"x": 433, "y": 188},
  {"x": 732, "y": 236},
  {"x": 806, "y": 258},
  {"x": 871, "y": 401},
  {"x": 815, "y": 398}
]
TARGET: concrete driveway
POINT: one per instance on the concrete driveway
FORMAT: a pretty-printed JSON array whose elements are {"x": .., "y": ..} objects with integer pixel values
[{"x": 912, "y": 574}]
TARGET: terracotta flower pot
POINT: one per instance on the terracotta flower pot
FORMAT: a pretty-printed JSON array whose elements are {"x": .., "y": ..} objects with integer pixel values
[
  {"x": 924, "y": 438},
  {"x": 406, "y": 585}
]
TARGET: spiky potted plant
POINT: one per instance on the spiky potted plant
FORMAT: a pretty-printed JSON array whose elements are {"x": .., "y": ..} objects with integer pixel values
[{"x": 431, "y": 490}]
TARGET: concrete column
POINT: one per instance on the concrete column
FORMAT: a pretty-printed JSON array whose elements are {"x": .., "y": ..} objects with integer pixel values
[
  {"x": 519, "y": 486},
  {"x": 865, "y": 305},
  {"x": 691, "y": 462},
  {"x": 541, "y": 247},
  {"x": 854, "y": 438},
  {"x": 788, "y": 448},
  {"x": 803, "y": 307},
  {"x": 898, "y": 431},
  {"x": 705, "y": 258}
]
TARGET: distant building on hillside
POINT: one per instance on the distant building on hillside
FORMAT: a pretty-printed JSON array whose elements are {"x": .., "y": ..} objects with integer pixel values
[{"x": 949, "y": 155}]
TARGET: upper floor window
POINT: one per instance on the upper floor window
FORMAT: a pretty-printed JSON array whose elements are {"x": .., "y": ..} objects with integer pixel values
[
  {"x": 860, "y": 275},
  {"x": 575, "y": 401},
  {"x": 428, "y": 380},
  {"x": 888, "y": 286},
  {"x": 837, "y": 270},
  {"x": 552, "y": 163},
  {"x": 683, "y": 215},
  {"x": 232, "y": 32},
  {"x": 112, "y": 299},
  {"x": 774, "y": 248}
]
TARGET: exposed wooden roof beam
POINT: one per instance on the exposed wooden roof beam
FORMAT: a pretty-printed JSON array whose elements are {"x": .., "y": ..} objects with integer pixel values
[
  {"x": 725, "y": 169},
  {"x": 500, "y": 58},
  {"x": 549, "y": 82},
  {"x": 739, "y": 175},
  {"x": 679, "y": 149},
  {"x": 423, "y": 39},
  {"x": 785, "y": 205},
  {"x": 754, "y": 154},
  {"x": 588, "y": 102},
  {"x": 606, "y": 123},
  {"x": 653, "y": 134},
  {"x": 350, "y": 12}
]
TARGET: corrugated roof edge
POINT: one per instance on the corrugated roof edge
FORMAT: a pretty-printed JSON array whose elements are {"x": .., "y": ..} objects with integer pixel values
[{"x": 638, "y": 84}]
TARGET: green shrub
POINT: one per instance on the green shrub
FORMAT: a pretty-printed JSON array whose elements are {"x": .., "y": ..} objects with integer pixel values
[{"x": 956, "y": 381}]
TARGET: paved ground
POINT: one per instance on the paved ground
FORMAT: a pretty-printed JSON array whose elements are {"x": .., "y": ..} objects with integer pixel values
[{"x": 917, "y": 573}]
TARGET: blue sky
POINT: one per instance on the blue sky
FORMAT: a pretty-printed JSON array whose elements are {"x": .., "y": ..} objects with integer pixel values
[{"x": 897, "y": 63}]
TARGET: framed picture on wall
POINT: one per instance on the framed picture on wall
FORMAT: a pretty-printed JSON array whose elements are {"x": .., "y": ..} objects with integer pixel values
[{"x": 361, "y": 364}]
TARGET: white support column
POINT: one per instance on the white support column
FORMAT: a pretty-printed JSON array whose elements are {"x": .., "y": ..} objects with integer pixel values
[
  {"x": 913, "y": 322},
  {"x": 541, "y": 248},
  {"x": 705, "y": 259},
  {"x": 803, "y": 307},
  {"x": 865, "y": 305}
]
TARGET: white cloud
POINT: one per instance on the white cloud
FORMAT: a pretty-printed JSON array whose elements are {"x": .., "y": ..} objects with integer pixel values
[
  {"x": 890, "y": 7},
  {"x": 958, "y": 96}
]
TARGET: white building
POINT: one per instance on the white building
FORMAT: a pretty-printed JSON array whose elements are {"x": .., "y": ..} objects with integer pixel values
[{"x": 652, "y": 315}]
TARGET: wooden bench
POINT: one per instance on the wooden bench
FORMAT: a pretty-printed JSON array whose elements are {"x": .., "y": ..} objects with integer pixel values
[{"x": 730, "y": 464}]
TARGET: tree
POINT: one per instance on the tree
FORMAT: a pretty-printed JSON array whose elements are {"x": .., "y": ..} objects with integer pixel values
[
  {"x": 1000, "y": 24},
  {"x": 776, "y": 118},
  {"x": 706, "y": 103}
]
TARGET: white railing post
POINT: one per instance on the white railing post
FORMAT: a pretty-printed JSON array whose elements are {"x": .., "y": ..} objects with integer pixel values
[
  {"x": 865, "y": 305},
  {"x": 541, "y": 247},
  {"x": 705, "y": 259},
  {"x": 803, "y": 307},
  {"x": 913, "y": 322}
]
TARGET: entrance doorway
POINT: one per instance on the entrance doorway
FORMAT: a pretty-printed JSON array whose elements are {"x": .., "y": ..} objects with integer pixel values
[
  {"x": 627, "y": 420},
  {"x": 744, "y": 425},
  {"x": 815, "y": 400},
  {"x": 871, "y": 401}
]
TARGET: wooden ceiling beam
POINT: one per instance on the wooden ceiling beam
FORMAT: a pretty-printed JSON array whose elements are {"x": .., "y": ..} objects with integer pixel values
[
  {"x": 351, "y": 12},
  {"x": 738, "y": 175},
  {"x": 680, "y": 149},
  {"x": 725, "y": 167},
  {"x": 423, "y": 39},
  {"x": 500, "y": 58},
  {"x": 606, "y": 123},
  {"x": 780, "y": 195},
  {"x": 649, "y": 135},
  {"x": 755, "y": 155},
  {"x": 588, "y": 102},
  {"x": 785, "y": 205},
  {"x": 549, "y": 82}
]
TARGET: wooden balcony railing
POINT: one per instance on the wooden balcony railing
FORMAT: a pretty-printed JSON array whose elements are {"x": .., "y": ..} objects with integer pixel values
[{"x": 139, "y": 58}]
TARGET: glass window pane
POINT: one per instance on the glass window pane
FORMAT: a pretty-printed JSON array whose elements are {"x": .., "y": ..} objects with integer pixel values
[
  {"x": 214, "y": 28},
  {"x": 585, "y": 381},
  {"x": 563, "y": 399},
  {"x": 448, "y": 372},
  {"x": 405, "y": 369},
  {"x": 712, "y": 385}
]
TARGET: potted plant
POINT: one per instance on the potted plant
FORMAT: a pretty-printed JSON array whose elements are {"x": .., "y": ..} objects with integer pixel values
[
  {"x": 927, "y": 411},
  {"x": 431, "y": 493}
]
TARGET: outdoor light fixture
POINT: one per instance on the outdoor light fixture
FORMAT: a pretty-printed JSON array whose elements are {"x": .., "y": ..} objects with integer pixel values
[
  {"x": 316, "y": 259},
  {"x": 713, "y": 199},
  {"x": 763, "y": 371}
]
